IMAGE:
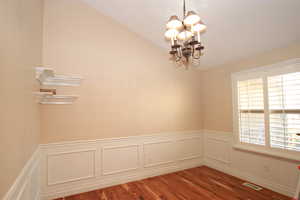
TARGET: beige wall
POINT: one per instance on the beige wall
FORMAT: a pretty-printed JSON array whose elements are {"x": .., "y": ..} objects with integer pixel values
[
  {"x": 216, "y": 91},
  {"x": 130, "y": 87},
  {"x": 20, "y": 52}
]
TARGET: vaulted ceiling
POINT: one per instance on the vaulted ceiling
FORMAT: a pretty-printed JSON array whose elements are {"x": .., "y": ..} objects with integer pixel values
[{"x": 237, "y": 29}]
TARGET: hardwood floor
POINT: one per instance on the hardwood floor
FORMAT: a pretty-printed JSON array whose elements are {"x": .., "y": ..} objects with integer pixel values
[{"x": 201, "y": 183}]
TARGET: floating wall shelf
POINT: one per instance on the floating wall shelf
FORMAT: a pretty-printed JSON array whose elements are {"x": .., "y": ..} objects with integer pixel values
[
  {"x": 41, "y": 94},
  {"x": 58, "y": 99},
  {"x": 47, "y": 76}
]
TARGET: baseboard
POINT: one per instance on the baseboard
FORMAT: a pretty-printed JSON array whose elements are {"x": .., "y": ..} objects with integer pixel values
[
  {"x": 102, "y": 163},
  {"x": 26, "y": 186}
]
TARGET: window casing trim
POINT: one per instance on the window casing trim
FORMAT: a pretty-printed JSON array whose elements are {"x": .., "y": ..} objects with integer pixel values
[
  {"x": 288, "y": 66},
  {"x": 277, "y": 153}
]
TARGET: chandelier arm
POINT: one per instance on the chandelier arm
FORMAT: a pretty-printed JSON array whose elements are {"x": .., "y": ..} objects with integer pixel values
[
  {"x": 193, "y": 54},
  {"x": 179, "y": 53},
  {"x": 178, "y": 58},
  {"x": 195, "y": 57}
]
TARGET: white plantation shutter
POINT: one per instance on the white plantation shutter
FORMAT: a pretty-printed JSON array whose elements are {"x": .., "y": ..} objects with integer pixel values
[
  {"x": 251, "y": 111},
  {"x": 284, "y": 108},
  {"x": 267, "y": 109}
]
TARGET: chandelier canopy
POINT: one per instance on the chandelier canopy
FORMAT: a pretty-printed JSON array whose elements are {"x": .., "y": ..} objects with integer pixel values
[{"x": 184, "y": 36}]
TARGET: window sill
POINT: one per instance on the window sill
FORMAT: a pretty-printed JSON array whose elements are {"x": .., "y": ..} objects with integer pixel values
[{"x": 288, "y": 156}]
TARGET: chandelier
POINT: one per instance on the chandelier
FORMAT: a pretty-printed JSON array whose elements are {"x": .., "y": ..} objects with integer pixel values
[{"x": 184, "y": 36}]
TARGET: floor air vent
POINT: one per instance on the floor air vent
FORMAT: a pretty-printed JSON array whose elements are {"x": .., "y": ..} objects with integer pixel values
[{"x": 254, "y": 187}]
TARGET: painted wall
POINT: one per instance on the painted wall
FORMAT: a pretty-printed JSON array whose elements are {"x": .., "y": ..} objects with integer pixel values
[
  {"x": 216, "y": 93},
  {"x": 20, "y": 52},
  {"x": 130, "y": 87}
]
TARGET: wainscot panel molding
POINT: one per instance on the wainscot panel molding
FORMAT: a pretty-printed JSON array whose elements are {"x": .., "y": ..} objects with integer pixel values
[
  {"x": 73, "y": 167},
  {"x": 264, "y": 170},
  {"x": 126, "y": 158},
  {"x": 165, "y": 150},
  {"x": 27, "y": 184},
  {"x": 84, "y": 158},
  {"x": 68, "y": 168}
]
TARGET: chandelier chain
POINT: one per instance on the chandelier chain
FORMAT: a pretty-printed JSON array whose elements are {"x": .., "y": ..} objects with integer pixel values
[{"x": 184, "y": 9}]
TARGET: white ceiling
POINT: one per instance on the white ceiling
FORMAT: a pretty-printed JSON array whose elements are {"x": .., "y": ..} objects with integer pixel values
[{"x": 236, "y": 28}]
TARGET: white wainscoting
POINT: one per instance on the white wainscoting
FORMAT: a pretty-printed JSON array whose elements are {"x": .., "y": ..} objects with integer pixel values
[
  {"x": 74, "y": 167},
  {"x": 276, "y": 174},
  {"x": 26, "y": 186}
]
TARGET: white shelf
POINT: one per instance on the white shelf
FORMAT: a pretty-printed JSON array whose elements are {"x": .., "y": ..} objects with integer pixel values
[
  {"x": 50, "y": 98},
  {"x": 47, "y": 76},
  {"x": 41, "y": 94},
  {"x": 57, "y": 99}
]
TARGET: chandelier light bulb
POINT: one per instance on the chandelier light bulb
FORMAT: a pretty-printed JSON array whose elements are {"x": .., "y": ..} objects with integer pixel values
[
  {"x": 191, "y": 18},
  {"x": 171, "y": 34},
  {"x": 174, "y": 23},
  {"x": 199, "y": 27},
  {"x": 185, "y": 35}
]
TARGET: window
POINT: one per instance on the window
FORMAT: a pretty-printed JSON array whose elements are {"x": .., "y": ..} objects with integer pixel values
[
  {"x": 251, "y": 111},
  {"x": 284, "y": 106},
  {"x": 267, "y": 106}
]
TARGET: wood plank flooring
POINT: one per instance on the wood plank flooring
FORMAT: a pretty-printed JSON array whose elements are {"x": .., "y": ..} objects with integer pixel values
[{"x": 201, "y": 183}]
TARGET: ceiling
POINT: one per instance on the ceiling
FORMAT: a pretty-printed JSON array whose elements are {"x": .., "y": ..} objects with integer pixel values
[{"x": 237, "y": 29}]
